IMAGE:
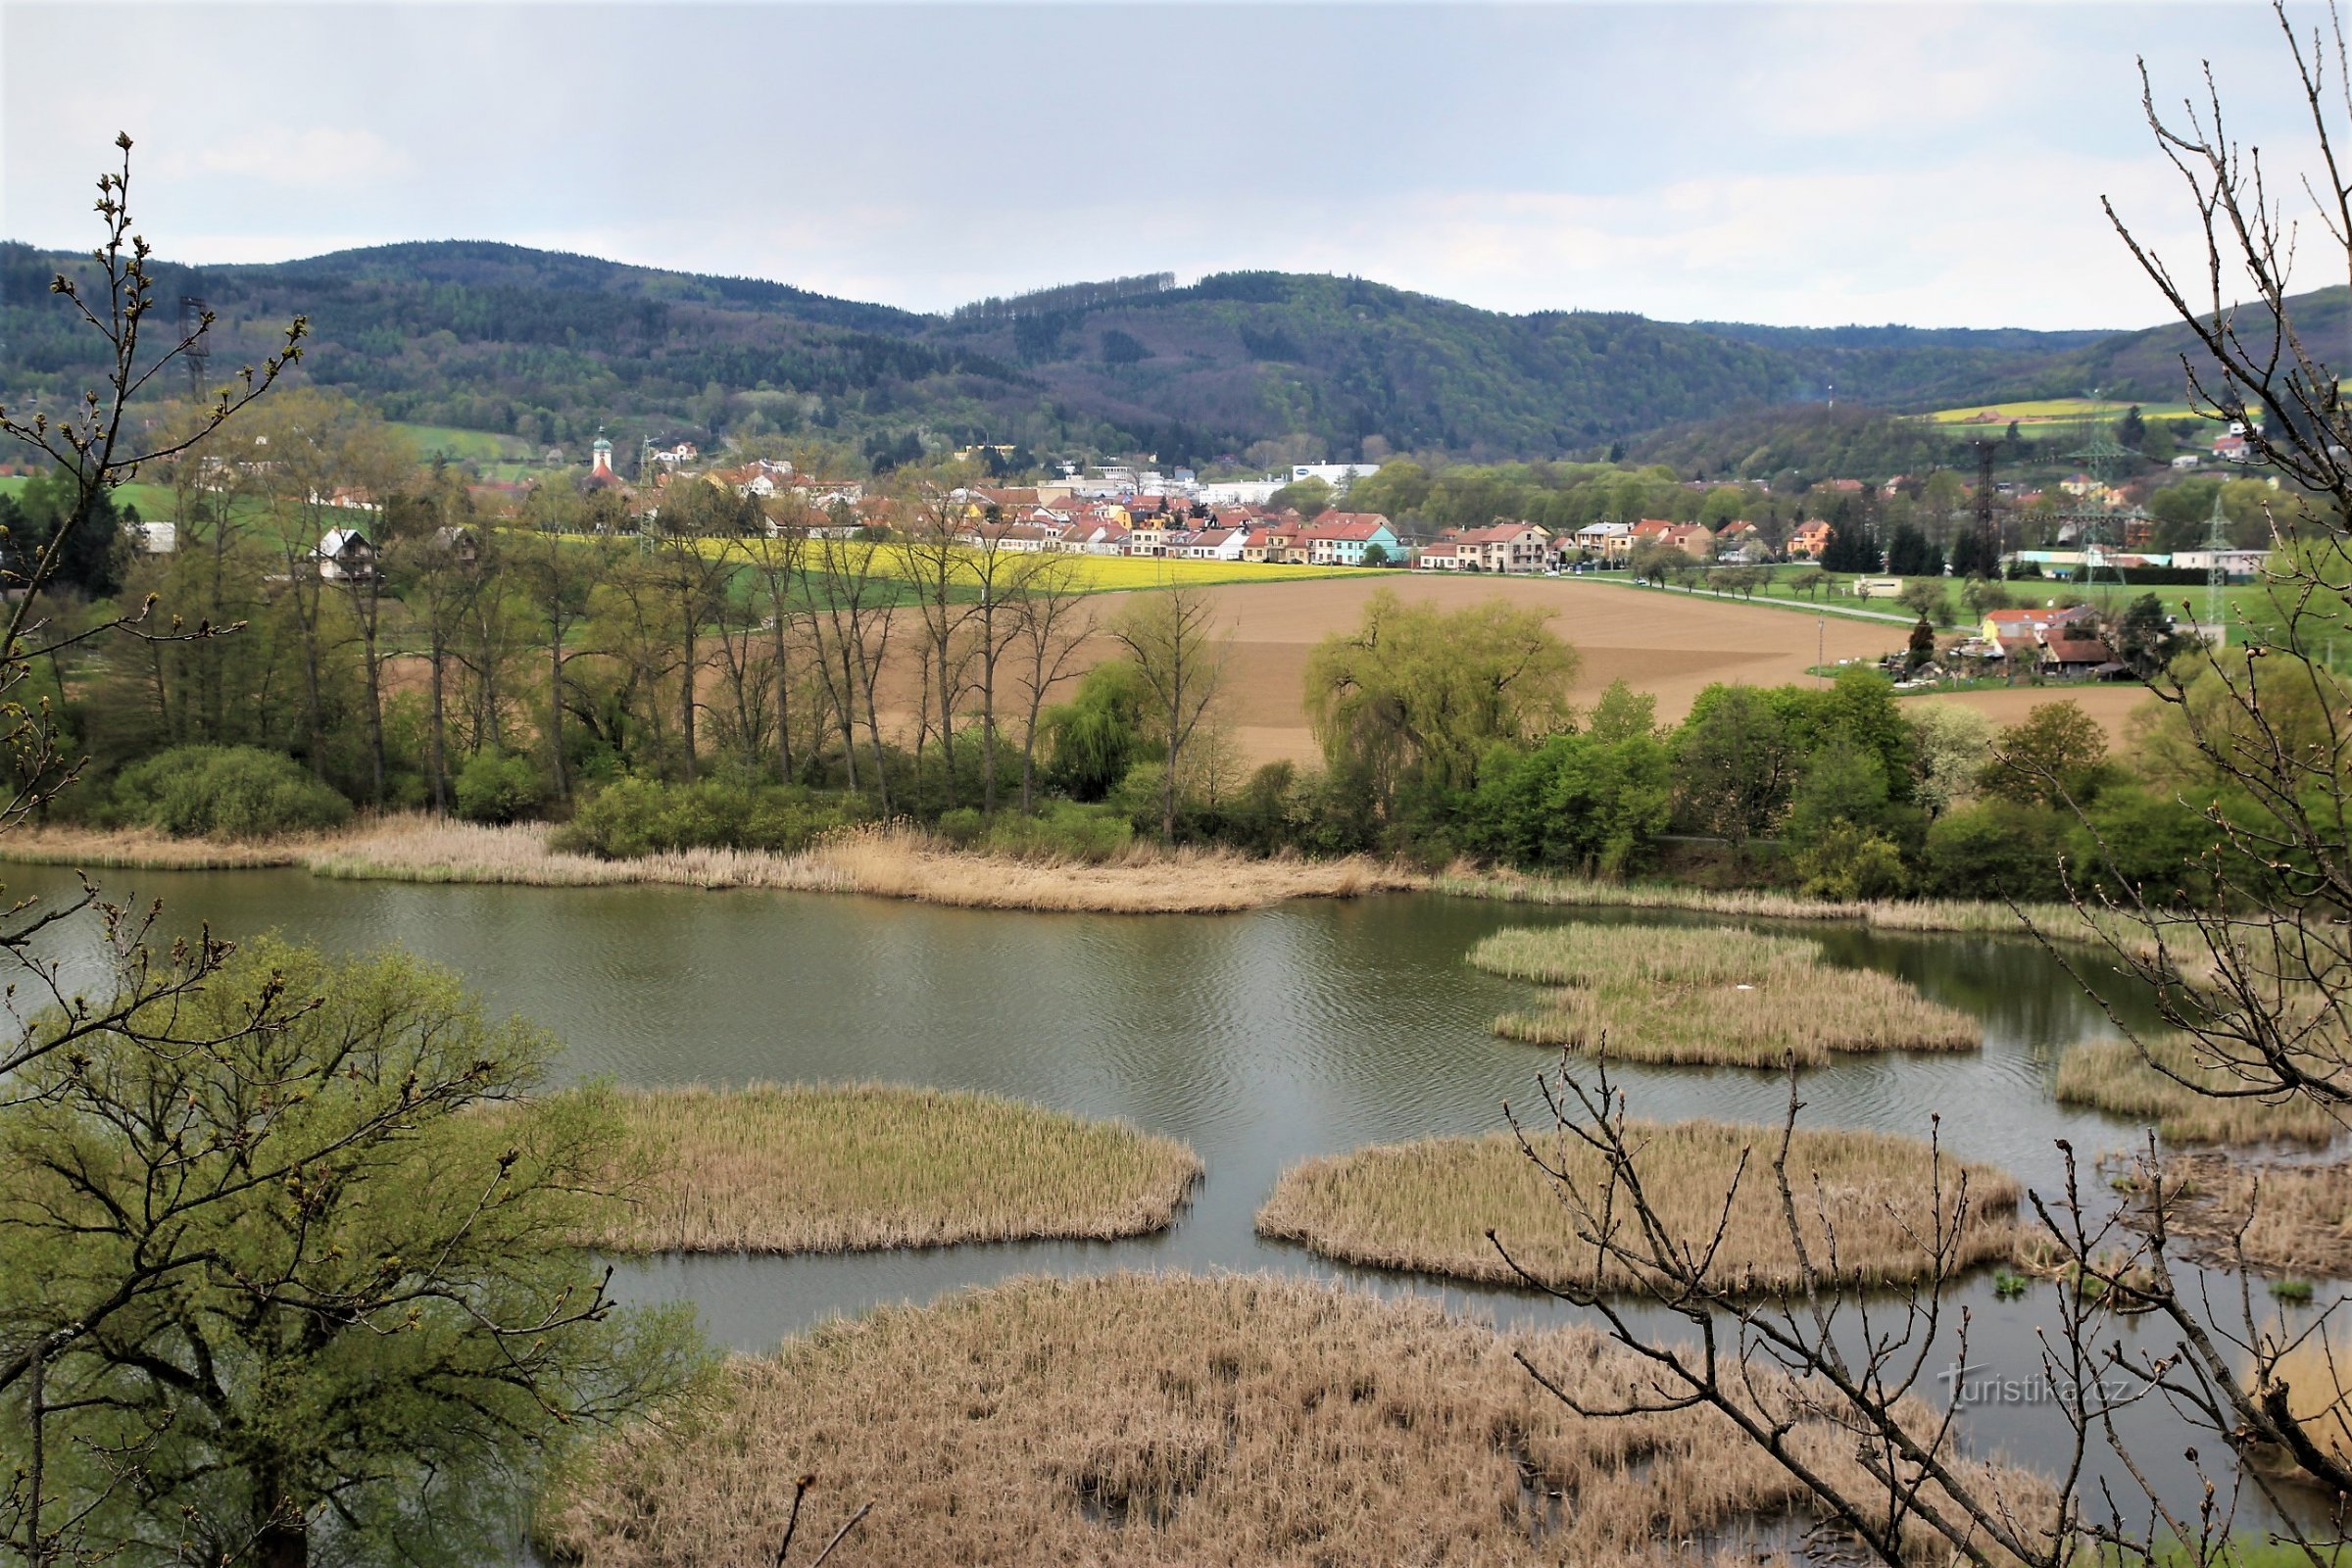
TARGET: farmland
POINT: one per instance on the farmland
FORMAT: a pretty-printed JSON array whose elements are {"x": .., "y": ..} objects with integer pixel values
[{"x": 2038, "y": 415}]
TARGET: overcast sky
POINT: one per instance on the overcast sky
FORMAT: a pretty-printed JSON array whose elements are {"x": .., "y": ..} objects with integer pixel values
[{"x": 1800, "y": 165}]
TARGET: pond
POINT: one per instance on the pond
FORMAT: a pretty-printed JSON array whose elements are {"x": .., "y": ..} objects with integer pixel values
[{"x": 1263, "y": 1038}]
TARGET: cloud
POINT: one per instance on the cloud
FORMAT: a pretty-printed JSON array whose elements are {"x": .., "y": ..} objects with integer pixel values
[{"x": 315, "y": 158}]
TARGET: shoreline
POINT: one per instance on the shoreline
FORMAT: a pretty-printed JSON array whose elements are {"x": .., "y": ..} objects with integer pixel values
[
  {"x": 903, "y": 862},
  {"x": 894, "y": 863}
]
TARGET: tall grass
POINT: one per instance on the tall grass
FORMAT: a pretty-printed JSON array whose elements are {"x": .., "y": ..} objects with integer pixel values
[
  {"x": 2111, "y": 1075},
  {"x": 1143, "y": 1420},
  {"x": 2287, "y": 1218},
  {"x": 144, "y": 849},
  {"x": 894, "y": 862},
  {"x": 1725, "y": 998},
  {"x": 800, "y": 1168},
  {"x": 1961, "y": 916},
  {"x": 1429, "y": 1205}
]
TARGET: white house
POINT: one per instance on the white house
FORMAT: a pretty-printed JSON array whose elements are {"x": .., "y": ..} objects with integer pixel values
[{"x": 344, "y": 554}]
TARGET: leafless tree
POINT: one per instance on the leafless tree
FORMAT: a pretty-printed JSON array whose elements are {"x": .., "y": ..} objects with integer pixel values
[
  {"x": 1180, "y": 655},
  {"x": 2255, "y": 976},
  {"x": 1052, "y": 623}
]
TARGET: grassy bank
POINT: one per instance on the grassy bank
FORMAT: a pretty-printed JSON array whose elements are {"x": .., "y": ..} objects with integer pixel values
[
  {"x": 1725, "y": 998},
  {"x": 1428, "y": 1205},
  {"x": 1168, "y": 1420},
  {"x": 804, "y": 1168},
  {"x": 2281, "y": 1218},
  {"x": 894, "y": 863},
  {"x": 2111, "y": 1075}
]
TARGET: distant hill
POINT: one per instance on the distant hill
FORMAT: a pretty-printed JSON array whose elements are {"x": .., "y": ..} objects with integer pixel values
[{"x": 550, "y": 346}]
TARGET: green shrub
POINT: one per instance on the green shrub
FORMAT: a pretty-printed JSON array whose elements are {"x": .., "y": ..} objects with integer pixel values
[
  {"x": 225, "y": 792},
  {"x": 1065, "y": 831},
  {"x": 1846, "y": 862},
  {"x": 961, "y": 826},
  {"x": 498, "y": 789},
  {"x": 637, "y": 816}
]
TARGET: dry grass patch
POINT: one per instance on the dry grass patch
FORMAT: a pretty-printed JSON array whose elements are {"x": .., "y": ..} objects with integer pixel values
[
  {"x": 1963, "y": 917},
  {"x": 1720, "y": 997},
  {"x": 1142, "y": 1420},
  {"x": 896, "y": 863},
  {"x": 801, "y": 1168},
  {"x": 1429, "y": 1205},
  {"x": 144, "y": 849},
  {"x": 2294, "y": 1219},
  {"x": 2112, "y": 1076}
]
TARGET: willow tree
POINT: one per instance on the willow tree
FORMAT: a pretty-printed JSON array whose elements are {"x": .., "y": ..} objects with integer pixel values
[{"x": 1416, "y": 694}]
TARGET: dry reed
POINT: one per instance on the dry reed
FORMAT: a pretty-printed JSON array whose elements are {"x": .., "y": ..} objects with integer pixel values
[
  {"x": 893, "y": 861},
  {"x": 146, "y": 850},
  {"x": 1963, "y": 917},
  {"x": 800, "y": 1168},
  {"x": 2287, "y": 1218},
  {"x": 1726, "y": 997},
  {"x": 1161, "y": 1420},
  {"x": 2112, "y": 1076},
  {"x": 1429, "y": 1205}
]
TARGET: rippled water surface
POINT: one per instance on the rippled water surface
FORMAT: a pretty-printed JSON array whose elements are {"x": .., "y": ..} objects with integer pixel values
[{"x": 1258, "y": 1038}]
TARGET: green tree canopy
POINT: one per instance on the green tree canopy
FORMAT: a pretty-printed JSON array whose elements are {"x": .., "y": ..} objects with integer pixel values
[
  {"x": 373, "y": 1328},
  {"x": 1418, "y": 692}
]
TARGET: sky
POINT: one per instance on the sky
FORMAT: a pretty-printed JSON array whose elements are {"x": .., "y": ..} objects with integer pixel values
[{"x": 1798, "y": 165}]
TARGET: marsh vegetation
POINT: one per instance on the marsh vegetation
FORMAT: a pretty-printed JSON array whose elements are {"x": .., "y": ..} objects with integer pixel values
[
  {"x": 1140, "y": 1419},
  {"x": 813, "y": 1169},
  {"x": 1725, "y": 997},
  {"x": 1442, "y": 1204}
]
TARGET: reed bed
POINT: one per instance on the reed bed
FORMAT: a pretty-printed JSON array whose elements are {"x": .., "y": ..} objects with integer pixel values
[
  {"x": 2112, "y": 1076},
  {"x": 144, "y": 849},
  {"x": 1962, "y": 916},
  {"x": 885, "y": 862},
  {"x": 805, "y": 1168},
  {"x": 1428, "y": 1205},
  {"x": 1161, "y": 1420},
  {"x": 2287, "y": 1218},
  {"x": 1726, "y": 998}
]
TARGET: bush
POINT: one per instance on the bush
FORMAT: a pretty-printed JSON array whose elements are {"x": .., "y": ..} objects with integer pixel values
[
  {"x": 961, "y": 826},
  {"x": 1995, "y": 851},
  {"x": 498, "y": 789},
  {"x": 1064, "y": 831},
  {"x": 225, "y": 792},
  {"x": 1847, "y": 861},
  {"x": 631, "y": 818}
]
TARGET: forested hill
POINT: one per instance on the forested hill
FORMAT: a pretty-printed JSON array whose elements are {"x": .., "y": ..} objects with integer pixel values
[{"x": 550, "y": 346}]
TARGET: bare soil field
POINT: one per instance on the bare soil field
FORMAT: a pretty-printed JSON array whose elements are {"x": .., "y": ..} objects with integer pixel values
[{"x": 1669, "y": 644}]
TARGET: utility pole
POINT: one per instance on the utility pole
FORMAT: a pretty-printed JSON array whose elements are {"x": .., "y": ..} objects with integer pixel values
[{"x": 2216, "y": 540}]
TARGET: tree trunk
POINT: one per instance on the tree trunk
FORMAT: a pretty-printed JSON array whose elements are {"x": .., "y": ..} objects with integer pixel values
[
  {"x": 375, "y": 699},
  {"x": 783, "y": 704},
  {"x": 439, "y": 761},
  {"x": 686, "y": 682},
  {"x": 554, "y": 710}
]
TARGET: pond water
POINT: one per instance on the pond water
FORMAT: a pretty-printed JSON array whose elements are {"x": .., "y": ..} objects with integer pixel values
[{"x": 1261, "y": 1038}]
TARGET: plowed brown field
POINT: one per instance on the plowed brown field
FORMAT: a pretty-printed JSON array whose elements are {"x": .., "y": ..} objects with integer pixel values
[{"x": 1669, "y": 644}]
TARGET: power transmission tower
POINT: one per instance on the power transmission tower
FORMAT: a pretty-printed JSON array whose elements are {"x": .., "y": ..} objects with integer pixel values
[
  {"x": 2098, "y": 528},
  {"x": 1988, "y": 538},
  {"x": 195, "y": 336}
]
